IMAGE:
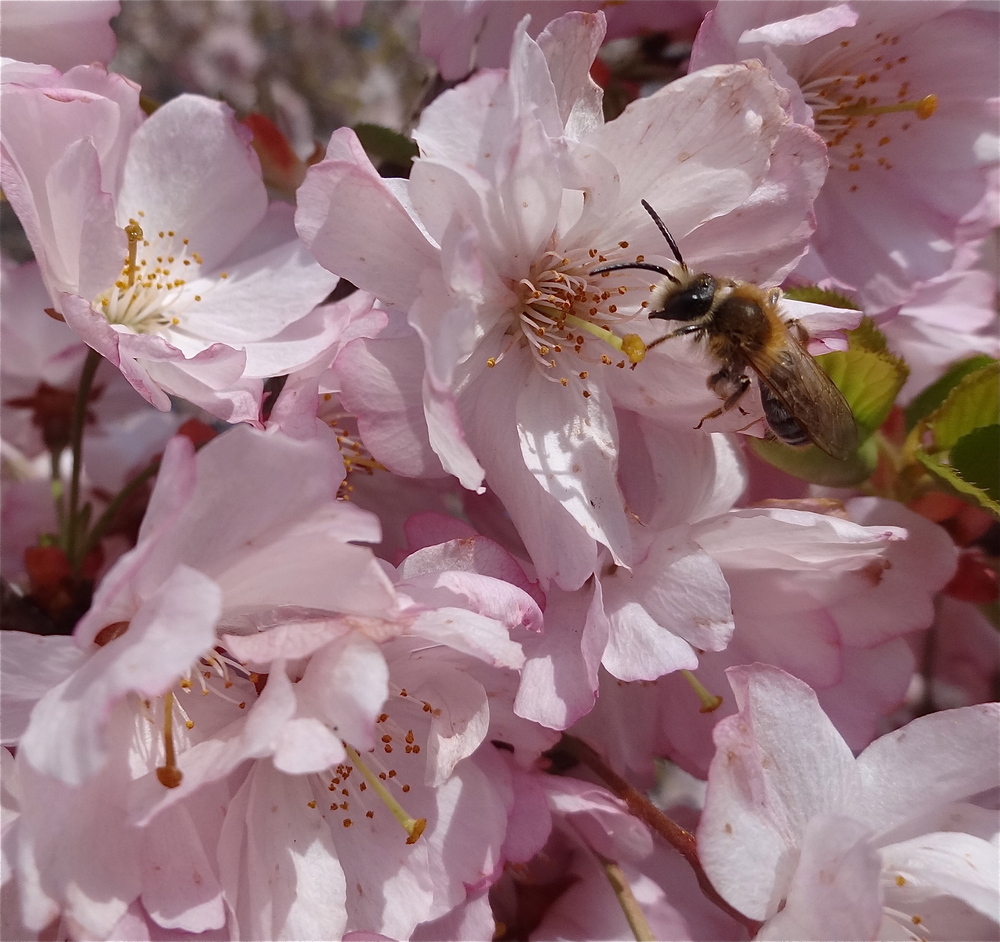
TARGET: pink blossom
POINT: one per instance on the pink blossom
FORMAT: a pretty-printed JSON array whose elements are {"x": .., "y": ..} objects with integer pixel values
[
  {"x": 110, "y": 725},
  {"x": 655, "y": 618},
  {"x": 152, "y": 629},
  {"x": 214, "y": 293},
  {"x": 798, "y": 833},
  {"x": 435, "y": 756},
  {"x": 948, "y": 319},
  {"x": 62, "y": 33},
  {"x": 491, "y": 236},
  {"x": 912, "y": 140},
  {"x": 825, "y": 598}
]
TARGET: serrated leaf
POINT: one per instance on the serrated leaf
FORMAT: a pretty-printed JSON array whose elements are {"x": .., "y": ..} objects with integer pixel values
[
  {"x": 935, "y": 394},
  {"x": 976, "y": 458},
  {"x": 384, "y": 144},
  {"x": 816, "y": 295},
  {"x": 867, "y": 336},
  {"x": 954, "y": 481},
  {"x": 974, "y": 402},
  {"x": 814, "y": 465}
]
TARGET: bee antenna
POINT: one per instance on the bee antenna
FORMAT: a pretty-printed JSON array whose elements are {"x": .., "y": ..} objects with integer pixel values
[
  {"x": 666, "y": 234},
  {"x": 645, "y": 266}
]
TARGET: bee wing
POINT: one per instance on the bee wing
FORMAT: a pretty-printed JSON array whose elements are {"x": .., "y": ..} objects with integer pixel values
[{"x": 798, "y": 382}]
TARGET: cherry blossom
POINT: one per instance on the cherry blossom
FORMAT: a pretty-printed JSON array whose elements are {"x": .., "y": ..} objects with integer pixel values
[
  {"x": 912, "y": 140},
  {"x": 832, "y": 601},
  {"x": 375, "y": 566},
  {"x": 491, "y": 254},
  {"x": 158, "y": 248},
  {"x": 889, "y": 845}
]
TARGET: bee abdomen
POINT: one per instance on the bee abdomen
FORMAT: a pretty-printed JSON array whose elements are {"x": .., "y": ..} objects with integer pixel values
[{"x": 781, "y": 421}]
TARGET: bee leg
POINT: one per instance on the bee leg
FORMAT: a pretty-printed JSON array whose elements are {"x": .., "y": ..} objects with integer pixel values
[
  {"x": 768, "y": 435},
  {"x": 688, "y": 329},
  {"x": 729, "y": 387}
]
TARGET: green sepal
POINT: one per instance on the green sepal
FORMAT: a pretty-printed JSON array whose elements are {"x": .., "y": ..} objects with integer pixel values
[
  {"x": 816, "y": 295},
  {"x": 976, "y": 459}
]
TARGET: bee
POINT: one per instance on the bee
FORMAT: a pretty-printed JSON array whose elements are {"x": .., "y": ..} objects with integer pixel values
[{"x": 742, "y": 328}]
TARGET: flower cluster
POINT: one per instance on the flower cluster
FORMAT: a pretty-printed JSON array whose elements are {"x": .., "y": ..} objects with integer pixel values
[{"x": 570, "y": 515}]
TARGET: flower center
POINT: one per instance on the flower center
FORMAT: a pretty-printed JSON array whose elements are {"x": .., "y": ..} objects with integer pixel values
[
  {"x": 214, "y": 673},
  {"x": 383, "y": 774},
  {"x": 568, "y": 319},
  {"x": 857, "y": 125},
  {"x": 152, "y": 292}
]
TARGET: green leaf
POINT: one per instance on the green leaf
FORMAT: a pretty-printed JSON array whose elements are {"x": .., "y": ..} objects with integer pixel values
[
  {"x": 976, "y": 458},
  {"x": 385, "y": 145},
  {"x": 955, "y": 482},
  {"x": 974, "y": 402},
  {"x": 935, "y": 394},
  {"x": 816, "y": 295}
]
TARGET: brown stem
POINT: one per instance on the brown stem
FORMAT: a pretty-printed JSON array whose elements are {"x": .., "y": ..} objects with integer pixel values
[
  {"x": 642, "y": 808},
  {"x": 634, "y": 915}
]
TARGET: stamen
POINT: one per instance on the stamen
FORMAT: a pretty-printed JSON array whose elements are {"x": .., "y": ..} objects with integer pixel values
[
  {"x": 414, "y": 827},
  {"x": 923, "y": 108},
  {"x": 634, "y": 352},
  {"x": 149, "y": 295},
  {"x": 134, "y": 232},
  {"x": 709, "y": 702}
]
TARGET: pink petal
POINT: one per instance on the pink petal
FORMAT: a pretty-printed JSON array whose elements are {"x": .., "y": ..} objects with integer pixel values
[
  {"x": 471, "y": 633},
  {"x": 727, "y": 117},
  {"x": 180, "y": 888},
  {"x": 763, "y": 787},
  {"x": 899, "y": 781},
  {"x": 283, "y": 877},
  {"x": 559, "y": 678},
  {"x": 346, "y": 684},
  {"x": 32, "y": 666},
  {"x": 946, "y": 863},
  {"x": 382, "y": 387},
  {"x": 345, "y": 187},
  {"x": 570, "y": 446},
  {"x": 835, "y": 891},
  {"x": 191, "y": 169},
  {"x": 570, "y": 44}
]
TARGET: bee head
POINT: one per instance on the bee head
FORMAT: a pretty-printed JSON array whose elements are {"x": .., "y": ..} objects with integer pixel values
[{"x": 688, "y": 300}]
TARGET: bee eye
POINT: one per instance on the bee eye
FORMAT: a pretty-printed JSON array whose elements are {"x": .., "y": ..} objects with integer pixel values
[{"x": 691, "y": 302}]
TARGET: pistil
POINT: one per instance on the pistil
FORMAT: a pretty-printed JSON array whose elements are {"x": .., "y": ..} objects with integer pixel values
[
  {"x": 414, "y": 827},
  {"x": 168, "y": 774}
]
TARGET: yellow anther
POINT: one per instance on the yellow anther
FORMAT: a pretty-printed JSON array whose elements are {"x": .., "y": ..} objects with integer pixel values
[{"x": 633, "y": 347}]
